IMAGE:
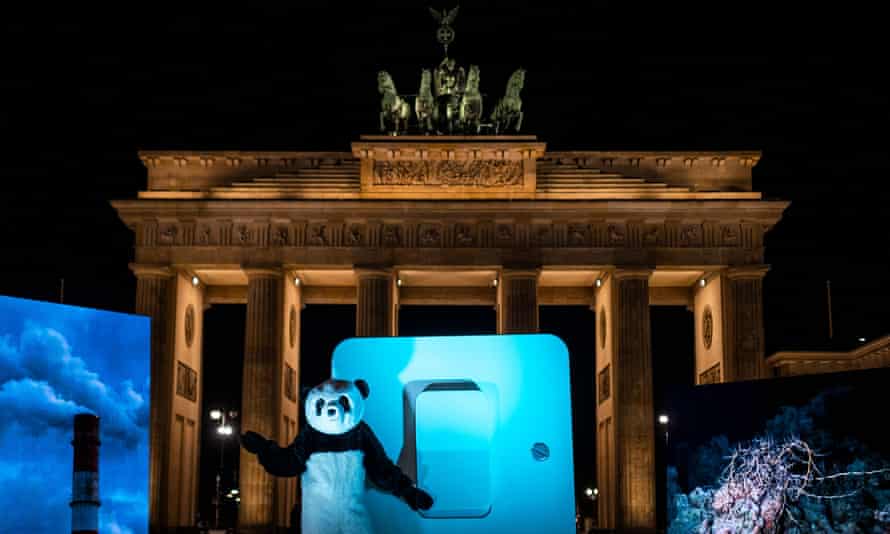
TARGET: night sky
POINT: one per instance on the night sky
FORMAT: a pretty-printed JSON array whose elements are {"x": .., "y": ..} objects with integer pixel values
[{"x": 83, "y": 88}]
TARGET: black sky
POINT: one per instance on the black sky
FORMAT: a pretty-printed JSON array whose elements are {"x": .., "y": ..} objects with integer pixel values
[{"x": 83, "y": 88}]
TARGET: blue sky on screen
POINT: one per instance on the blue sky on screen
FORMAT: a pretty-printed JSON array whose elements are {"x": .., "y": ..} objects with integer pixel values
[{"x": 57, "y": 361}]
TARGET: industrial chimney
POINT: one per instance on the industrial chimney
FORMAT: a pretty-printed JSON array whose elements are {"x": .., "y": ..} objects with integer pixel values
[{"x": 85, "y": 481}]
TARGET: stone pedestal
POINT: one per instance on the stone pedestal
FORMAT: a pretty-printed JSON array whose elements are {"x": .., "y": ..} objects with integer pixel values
[
  {"x": 625, "y": 413},
  {"x": 743, "y": 323},
  {"x": 261, "y": 403},
  {"x": 376, "y": 303},
  {"x": 518, "y": 301}
]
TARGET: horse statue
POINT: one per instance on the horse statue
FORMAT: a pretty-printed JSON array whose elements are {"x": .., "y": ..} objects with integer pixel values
[
  {"x": 424, "y": 104},
  {"x": 508, "y": 112},
  {"x": 471, "y": 103},
  {"x": 394, "y": 110}
]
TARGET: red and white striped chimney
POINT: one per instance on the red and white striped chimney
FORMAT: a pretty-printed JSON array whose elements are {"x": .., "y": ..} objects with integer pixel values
[{"x": 85, "y": 481}]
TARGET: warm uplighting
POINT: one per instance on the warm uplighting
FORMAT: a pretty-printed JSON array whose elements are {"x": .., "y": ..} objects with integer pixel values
[
  {"x": 598, "y": 282},
  {"x": 297, "y": 281},
  {"x": 702, "y": 282},
  {"x": 494, "y": 283},
  {"x": 215, "y": 415},
  {"x": 195, "y": 281},
  {"x": 399, "y": 282},
  {"x": 663, "y": 419}
]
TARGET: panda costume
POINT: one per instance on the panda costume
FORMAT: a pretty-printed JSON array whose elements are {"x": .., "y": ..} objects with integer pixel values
[{"x": 333, "y": 453}]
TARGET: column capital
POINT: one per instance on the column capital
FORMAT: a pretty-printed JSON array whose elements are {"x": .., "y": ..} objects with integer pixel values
[
  {"x": 625, "y": 273},
  {"x": 151, "y": 270},
  {"x": 736, "y": 272},
  {"x": 262, "y": 271},
  {"x": 368, "y": 271},
  {"x": 520, "y": 272}
]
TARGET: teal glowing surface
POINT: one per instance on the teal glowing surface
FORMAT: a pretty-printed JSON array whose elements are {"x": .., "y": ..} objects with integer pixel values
[{"x": 461, "y": 416}]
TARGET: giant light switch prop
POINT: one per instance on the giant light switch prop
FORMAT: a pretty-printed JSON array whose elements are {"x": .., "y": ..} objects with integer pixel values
[{"x": 482, "y": 423}]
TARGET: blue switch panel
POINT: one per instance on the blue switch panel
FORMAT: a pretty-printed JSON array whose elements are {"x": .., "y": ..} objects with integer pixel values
[{"x": 482, "y": 423}]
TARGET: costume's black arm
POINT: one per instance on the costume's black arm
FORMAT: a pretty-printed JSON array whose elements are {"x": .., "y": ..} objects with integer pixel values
[
  {"x": 284, "y": 461},
  {"x": 381, "y": 470}
]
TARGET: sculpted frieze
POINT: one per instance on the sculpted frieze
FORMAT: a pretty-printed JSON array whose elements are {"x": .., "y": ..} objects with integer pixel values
[{"x": 445, "y": 173}]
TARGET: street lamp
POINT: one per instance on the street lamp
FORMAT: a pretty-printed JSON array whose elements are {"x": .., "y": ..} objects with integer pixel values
[
  {"x": 664, "y": 421},
  {"x": 224, "y": 429}
]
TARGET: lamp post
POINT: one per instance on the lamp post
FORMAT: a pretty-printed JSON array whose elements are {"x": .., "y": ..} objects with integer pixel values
[
  {"x": 224, "y": 430},
  {"x": 664, "y": 421}
]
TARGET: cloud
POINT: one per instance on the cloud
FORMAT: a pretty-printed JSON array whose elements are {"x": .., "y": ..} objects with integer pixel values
[
  {"x": 44, "y": 356},
  {"x": 36, "y": 407}
]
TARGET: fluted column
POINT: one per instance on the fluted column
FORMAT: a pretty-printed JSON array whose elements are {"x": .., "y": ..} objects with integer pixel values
[
  {"x": 518, "y": 301},
  {"x": 376, "y": 303},
  {"x": 155, "y": 298},
  {"x": 743, "y": 323},
  {"x": 260, "y": 397},
  {"x": 625, "y": 410}
]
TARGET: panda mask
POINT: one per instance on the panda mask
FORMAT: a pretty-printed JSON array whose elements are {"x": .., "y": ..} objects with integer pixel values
[{"x": 336, "y": 406}]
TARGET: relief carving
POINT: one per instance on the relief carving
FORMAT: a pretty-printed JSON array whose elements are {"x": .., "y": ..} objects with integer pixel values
[
  {"x": 616, "y": 234},
  {"x": 445, "y": 173},
  {"x": 203, "y": 235},
  {"x": 730, "y": 235},
  {"x": 578, "y": 235},
  {"x": 710, "y": 375},
  {"x": 290, "y": 383},
  {"x": 650, "y": 237},
  {"x": 504, "y": 233},
  {"x": 242, "y": 234},
  {"x": 603, "y": 386},
  {"x": 355, "y": 235},
  {"x": 317, "y": 235},
  {"x": 279, "y": 236},
  {"x": 689, "y": 234},
  {"x": 392, "y": 235},
  {"x": 168, "y": 234},
  {"x": 429, "y": 235},
  {"x": 543, "y": 235},
  {"x": 186, "y": 382},
  {"x": 463, "y": 235}
]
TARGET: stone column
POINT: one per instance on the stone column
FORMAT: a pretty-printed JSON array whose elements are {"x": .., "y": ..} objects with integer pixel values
[
  {"x": 743, "y": 323},
  {"x": 291, "y": 412},
  {"x": 155, "y": 298},
  {"x": 625, "y": 411},
  {"x": 260, "y": 398},
  {"x": 518, "y": 301},
  {"x": 376, "y": 303}
]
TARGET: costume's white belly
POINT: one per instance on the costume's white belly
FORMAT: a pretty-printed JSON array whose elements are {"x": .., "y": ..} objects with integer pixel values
[{"x": 333, "y": 488}]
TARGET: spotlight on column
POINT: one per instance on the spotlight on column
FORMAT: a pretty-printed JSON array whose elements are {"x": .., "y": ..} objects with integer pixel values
[
  {"x": 297, "y": 281},
  {"x": 663, "y": 419},
  {"x": 399, "y": 282},
  {"x": 215, "y": 415},
  {"x": 598, "y": 282},
  {"x": 702, "y": 282},
  {"x": 494, "y": 283},
  {"x": 195, "y": 281},
  {"x": 85, "y": 481}
]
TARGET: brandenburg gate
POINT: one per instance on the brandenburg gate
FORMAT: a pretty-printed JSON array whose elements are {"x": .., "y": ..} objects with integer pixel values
[{"x": 493, "y": 220}]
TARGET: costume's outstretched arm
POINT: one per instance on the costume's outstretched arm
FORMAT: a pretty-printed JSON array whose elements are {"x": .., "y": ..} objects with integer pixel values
[
  {"x": 387, "y": 476},
  {"x": 279, "y": 461}
]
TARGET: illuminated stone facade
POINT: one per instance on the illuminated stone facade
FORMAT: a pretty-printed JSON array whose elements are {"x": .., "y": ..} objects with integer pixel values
[{"x": 497, "y": 221}]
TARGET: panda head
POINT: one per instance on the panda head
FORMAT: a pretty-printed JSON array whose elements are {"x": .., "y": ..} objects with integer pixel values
[{"x": 336, "y": 406}]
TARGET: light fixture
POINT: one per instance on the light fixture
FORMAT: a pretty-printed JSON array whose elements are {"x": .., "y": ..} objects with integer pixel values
[
  {"x": 663, "y": 419},
  {"x": 596, "y": 491},
  {"x": 297, "y": 281},
  {"x": 215, "y": 415},
  {"x": 195, "y": 281},
  {"x": 598, "y": 282},
  {"x": 234, "y": 492},
  {"x": 862, "y": 340},
  {"x": 494, "y": 283},
  {"x": 588, "y": 492},
  {"x": 399, "y": 282},
  {"x": 225, "y": 430},
  {"x": 237, "y": 499},
  {"x": 702, "y": 282}
]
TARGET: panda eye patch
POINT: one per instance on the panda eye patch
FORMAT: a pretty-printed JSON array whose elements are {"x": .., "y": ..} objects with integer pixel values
[
  {"x": 344, "y": 402},
  {"x": 319, "y": 404}
]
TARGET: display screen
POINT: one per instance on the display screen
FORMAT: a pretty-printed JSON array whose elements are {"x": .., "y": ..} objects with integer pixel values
[
  {"x": 482, "y": 423},
  {"x": 56, "y": 362},
  {"x": 801, "y": 454}
]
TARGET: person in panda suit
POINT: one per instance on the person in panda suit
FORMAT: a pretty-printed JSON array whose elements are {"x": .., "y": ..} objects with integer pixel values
[{"x": 333, "y": 454}]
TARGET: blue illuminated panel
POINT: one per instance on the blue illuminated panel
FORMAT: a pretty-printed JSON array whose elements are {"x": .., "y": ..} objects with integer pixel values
[{"x": 462, "y": 415}]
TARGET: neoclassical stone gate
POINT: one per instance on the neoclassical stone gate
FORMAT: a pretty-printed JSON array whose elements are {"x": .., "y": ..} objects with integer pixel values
[{"x": 441, "y": 220}]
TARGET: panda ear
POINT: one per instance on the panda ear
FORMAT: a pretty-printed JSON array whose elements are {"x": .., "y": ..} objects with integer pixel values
[{"x": 363, "y": 388}]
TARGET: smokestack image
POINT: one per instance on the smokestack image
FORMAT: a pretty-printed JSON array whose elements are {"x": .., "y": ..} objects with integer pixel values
[{"x": 85, "y": 481}]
